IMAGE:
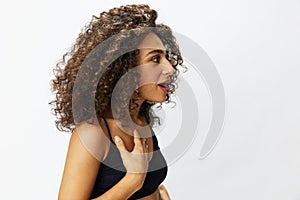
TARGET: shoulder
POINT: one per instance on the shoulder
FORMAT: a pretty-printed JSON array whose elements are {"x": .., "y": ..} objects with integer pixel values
[
  {"x": 85, "y": 152},
  {"x": 87, "y": 128},
  {"x": 92, "y": 138}
]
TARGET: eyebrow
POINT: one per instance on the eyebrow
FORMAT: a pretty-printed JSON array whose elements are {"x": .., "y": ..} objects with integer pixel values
[{"x": 160, "y": 51}]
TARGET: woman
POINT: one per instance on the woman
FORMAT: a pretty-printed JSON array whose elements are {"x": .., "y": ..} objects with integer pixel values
[{"x": 113, "y": 153}]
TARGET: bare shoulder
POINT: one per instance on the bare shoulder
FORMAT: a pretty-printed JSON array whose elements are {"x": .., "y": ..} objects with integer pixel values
[
  {"x": 92, "y": 138},
  {"x": 86, "y": 149}
]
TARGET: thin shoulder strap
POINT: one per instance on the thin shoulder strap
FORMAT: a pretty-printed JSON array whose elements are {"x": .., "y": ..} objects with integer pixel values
[{"x": 107, "y": 127}]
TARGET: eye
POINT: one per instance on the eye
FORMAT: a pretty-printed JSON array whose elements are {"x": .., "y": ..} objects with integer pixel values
[{"x": 156, "y": 59}]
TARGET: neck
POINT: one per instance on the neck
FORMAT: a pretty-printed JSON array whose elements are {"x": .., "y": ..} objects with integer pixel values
[{"x": 135, "y": 114}]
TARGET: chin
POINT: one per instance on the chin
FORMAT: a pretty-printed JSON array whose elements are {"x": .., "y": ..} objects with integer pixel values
[{"x": 158, "y": 99}]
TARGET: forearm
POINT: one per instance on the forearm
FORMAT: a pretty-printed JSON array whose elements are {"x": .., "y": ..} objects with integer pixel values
[{"x": 125, "y": 188}]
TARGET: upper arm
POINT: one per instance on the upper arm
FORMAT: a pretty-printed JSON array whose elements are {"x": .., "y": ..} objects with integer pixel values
[{"x": 87, "y": 147}]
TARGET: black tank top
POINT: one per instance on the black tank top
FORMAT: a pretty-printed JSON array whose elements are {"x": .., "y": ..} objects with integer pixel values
[{"x": 112, "y": 171}]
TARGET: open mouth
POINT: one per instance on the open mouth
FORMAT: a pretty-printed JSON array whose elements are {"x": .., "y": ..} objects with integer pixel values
[{"x": 164, "y": 87}]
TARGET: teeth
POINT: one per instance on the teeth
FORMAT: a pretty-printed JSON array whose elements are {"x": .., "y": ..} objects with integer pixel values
[{"x": 165, "y": 85}]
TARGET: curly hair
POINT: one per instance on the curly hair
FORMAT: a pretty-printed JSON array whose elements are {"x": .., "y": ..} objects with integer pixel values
[{"x": 126, "y": 23}]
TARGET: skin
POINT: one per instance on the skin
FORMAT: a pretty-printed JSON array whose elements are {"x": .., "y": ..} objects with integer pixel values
[{"x": 136, "y": 152}]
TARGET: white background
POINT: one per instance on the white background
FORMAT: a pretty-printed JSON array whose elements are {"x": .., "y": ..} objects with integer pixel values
[{"x": 255, "y": 46}]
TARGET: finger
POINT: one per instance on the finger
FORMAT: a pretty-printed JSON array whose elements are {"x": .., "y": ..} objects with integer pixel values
[
  {"x": 137, "y": 139},
  {"x": 146, "y": 146},
  {"x": 163, "y": 192},
  {"x": 119, "y": 143}
]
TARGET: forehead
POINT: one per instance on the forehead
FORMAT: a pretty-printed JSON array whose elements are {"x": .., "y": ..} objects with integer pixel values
[{"x": 150, "y": 42}]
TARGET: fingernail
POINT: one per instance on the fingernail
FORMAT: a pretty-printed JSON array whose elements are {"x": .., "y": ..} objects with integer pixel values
[{"x": 117, "y": 139}]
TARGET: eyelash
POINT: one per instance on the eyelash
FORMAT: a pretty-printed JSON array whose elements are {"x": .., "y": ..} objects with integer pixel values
[{"x": 156, "y": 57}]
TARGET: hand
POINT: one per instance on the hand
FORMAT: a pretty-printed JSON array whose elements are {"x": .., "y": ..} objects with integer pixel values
[
  {"x": 136, "y": 161},
  {"x": 163, "y": 193}
]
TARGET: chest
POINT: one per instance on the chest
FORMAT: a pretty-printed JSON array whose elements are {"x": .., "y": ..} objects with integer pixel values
[{"x": 126, "y": 134}]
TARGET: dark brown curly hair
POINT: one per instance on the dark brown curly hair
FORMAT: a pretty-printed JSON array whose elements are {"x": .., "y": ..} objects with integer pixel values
[{"x": 91, "y": 95}]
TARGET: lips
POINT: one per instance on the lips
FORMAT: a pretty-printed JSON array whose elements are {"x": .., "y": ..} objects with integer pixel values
[
  {"x": 164, "y": 89},
  {"x": 164, "y": 86}
]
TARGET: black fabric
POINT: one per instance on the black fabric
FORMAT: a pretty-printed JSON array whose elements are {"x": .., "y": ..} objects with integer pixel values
[{"x": 112, "y": 171}]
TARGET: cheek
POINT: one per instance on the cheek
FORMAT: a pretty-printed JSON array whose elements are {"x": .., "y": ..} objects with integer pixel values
[
  {"x": 147, "y": 88},
  {"x": 149, "y": 76},
  {"x": 152, "y": 93}
]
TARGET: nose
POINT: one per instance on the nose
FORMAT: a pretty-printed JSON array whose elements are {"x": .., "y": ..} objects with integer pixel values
[{"x": 168, "y": 68}]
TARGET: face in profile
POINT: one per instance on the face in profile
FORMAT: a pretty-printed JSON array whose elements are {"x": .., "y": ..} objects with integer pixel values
[{"x": 154, "y": 69}]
